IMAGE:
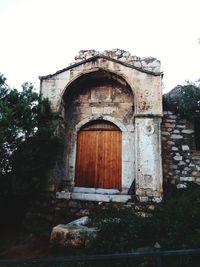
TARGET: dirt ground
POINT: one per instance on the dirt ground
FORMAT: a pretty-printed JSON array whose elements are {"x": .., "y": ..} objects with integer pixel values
[{"x": 14, "y": 243}]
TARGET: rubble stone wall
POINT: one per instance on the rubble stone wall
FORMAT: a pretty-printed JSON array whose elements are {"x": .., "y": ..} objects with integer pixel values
[
  {"x": 146, "y": 63},
  {"x": 181, "y": 160}
]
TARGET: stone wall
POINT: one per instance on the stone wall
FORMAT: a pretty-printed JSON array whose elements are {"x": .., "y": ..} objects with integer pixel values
[
  {"x": 149, "y": 63},
  {"x": 181, "y": 160},
  {"x": 46, "y": 211}
]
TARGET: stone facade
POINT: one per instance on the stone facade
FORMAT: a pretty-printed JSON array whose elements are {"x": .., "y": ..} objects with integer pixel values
[
  {"x": 122, "y": 89},
  {"x": 181, "y": 160},
  {"x": 112, "y": 102}
]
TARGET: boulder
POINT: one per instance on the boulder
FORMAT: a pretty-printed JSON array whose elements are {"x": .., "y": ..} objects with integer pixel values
[{"x": 74, "y": 234}]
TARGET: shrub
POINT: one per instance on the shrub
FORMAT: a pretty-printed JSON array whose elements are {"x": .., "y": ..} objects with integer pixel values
[{"x": 173, "y": 224}]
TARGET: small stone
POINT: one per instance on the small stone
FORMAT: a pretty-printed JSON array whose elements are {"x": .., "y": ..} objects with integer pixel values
[
  {"x": 176, "y": 131},
  {"x": 170, "y": 143},
  {"x": 172, "y": 116},
  {"x": 157, "y": 199},
  {"x": 118, "y": 53},
  {"x": 180, "y": 126},
  {"x": 144, "y": 199},
  {"x": 198, "y": 168},
  {"x": 185, "y": 148},
  {"x": 187, "y": 131},
  {"x": 123, "y": 59},
  {"x": 176, "y": 136},
  {"x": 191, "y": 165},
  {"x": 179, "y": 186},
  {"x": 126, "y": 54},
  {"x": 169, "y": 125},
  {"x": 169, "y": 129},
  {"x": 181, "y": 163},
  {"x": 174, "y": 148},
  {"x": 178, "y": 158},
  {"x": 137, "y": 64},
  {"x": 63, "y": 195},
  {"x": 151, "y": 207},
  {"x": 195, "y": 173},
  {"x": 165, "y": 133},
  {"x": 172, "y": 121},
  {"x": 186, "y": 179}
]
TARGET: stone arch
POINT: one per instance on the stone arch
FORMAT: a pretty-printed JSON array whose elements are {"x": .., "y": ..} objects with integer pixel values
[
  {"x": 120, "y": 77},
  {"x": 119, "y": 124},
  {"x": 118, "y": 109}
]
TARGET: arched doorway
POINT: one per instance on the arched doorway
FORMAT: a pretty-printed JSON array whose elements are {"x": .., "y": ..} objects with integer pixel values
[{"x": 99, "y": 156}]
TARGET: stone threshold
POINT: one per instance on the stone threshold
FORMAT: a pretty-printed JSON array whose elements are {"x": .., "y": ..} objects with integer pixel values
[
  {"x": 90, "y": 190},
  {"x": 93, "y": 197},
  {"x": 100, "y": 197}
]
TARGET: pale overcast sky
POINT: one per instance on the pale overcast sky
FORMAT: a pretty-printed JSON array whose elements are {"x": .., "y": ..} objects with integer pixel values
[{"x": 39, "y": 37}]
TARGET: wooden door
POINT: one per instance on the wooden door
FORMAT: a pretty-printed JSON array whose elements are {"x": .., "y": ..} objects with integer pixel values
[{"x": 98, "y": 162}]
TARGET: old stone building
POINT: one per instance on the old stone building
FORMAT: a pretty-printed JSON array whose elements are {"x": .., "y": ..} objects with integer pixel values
[{"x": 111, "y": 103}]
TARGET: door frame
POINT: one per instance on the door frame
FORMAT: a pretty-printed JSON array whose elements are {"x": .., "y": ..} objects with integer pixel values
[{"x": 128, "y": 152}]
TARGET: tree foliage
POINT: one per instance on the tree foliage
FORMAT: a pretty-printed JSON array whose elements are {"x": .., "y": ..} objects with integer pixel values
[
  {"x": 184, "y": 99},
  {"x": 28, "y": 144},
  {"x": 174, "y": 224}
]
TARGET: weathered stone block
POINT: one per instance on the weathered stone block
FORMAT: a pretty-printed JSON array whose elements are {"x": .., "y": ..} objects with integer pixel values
[
  {"x": 178, "y": 158},
  {"x": 187, "y": 131},
  {"x": 181, "y": 163},
  {"x": 172, "y": 116},
  {"x": 176, "y": 131},
  {"x": 180, "y": 126},
  {"x": 63, "y": 195},
  {"x": 186, "y": 179},
  {"x": 71, "y": 235},
  {"x": 170, "y": 143},
  {"x": 179, "y": 186},
  {"x": 185, "y": 148},
  {"x": 170, "y": 125},
  {"x": 176, "y": 136},
  {"x": 165, "y": 133}
]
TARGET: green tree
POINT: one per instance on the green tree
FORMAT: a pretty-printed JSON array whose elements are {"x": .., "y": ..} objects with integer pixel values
[
  {"x": 18, "y": 120},
  {"x": 184, "y": 99},
  {"x": 29, "y": 146}
]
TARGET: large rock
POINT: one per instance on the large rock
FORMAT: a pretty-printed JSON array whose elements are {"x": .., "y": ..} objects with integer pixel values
[{"x": 73, "y": 234}]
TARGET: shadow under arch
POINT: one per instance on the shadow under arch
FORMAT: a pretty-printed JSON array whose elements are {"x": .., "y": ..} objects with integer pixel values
[{"x": 93, "y": 77}]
